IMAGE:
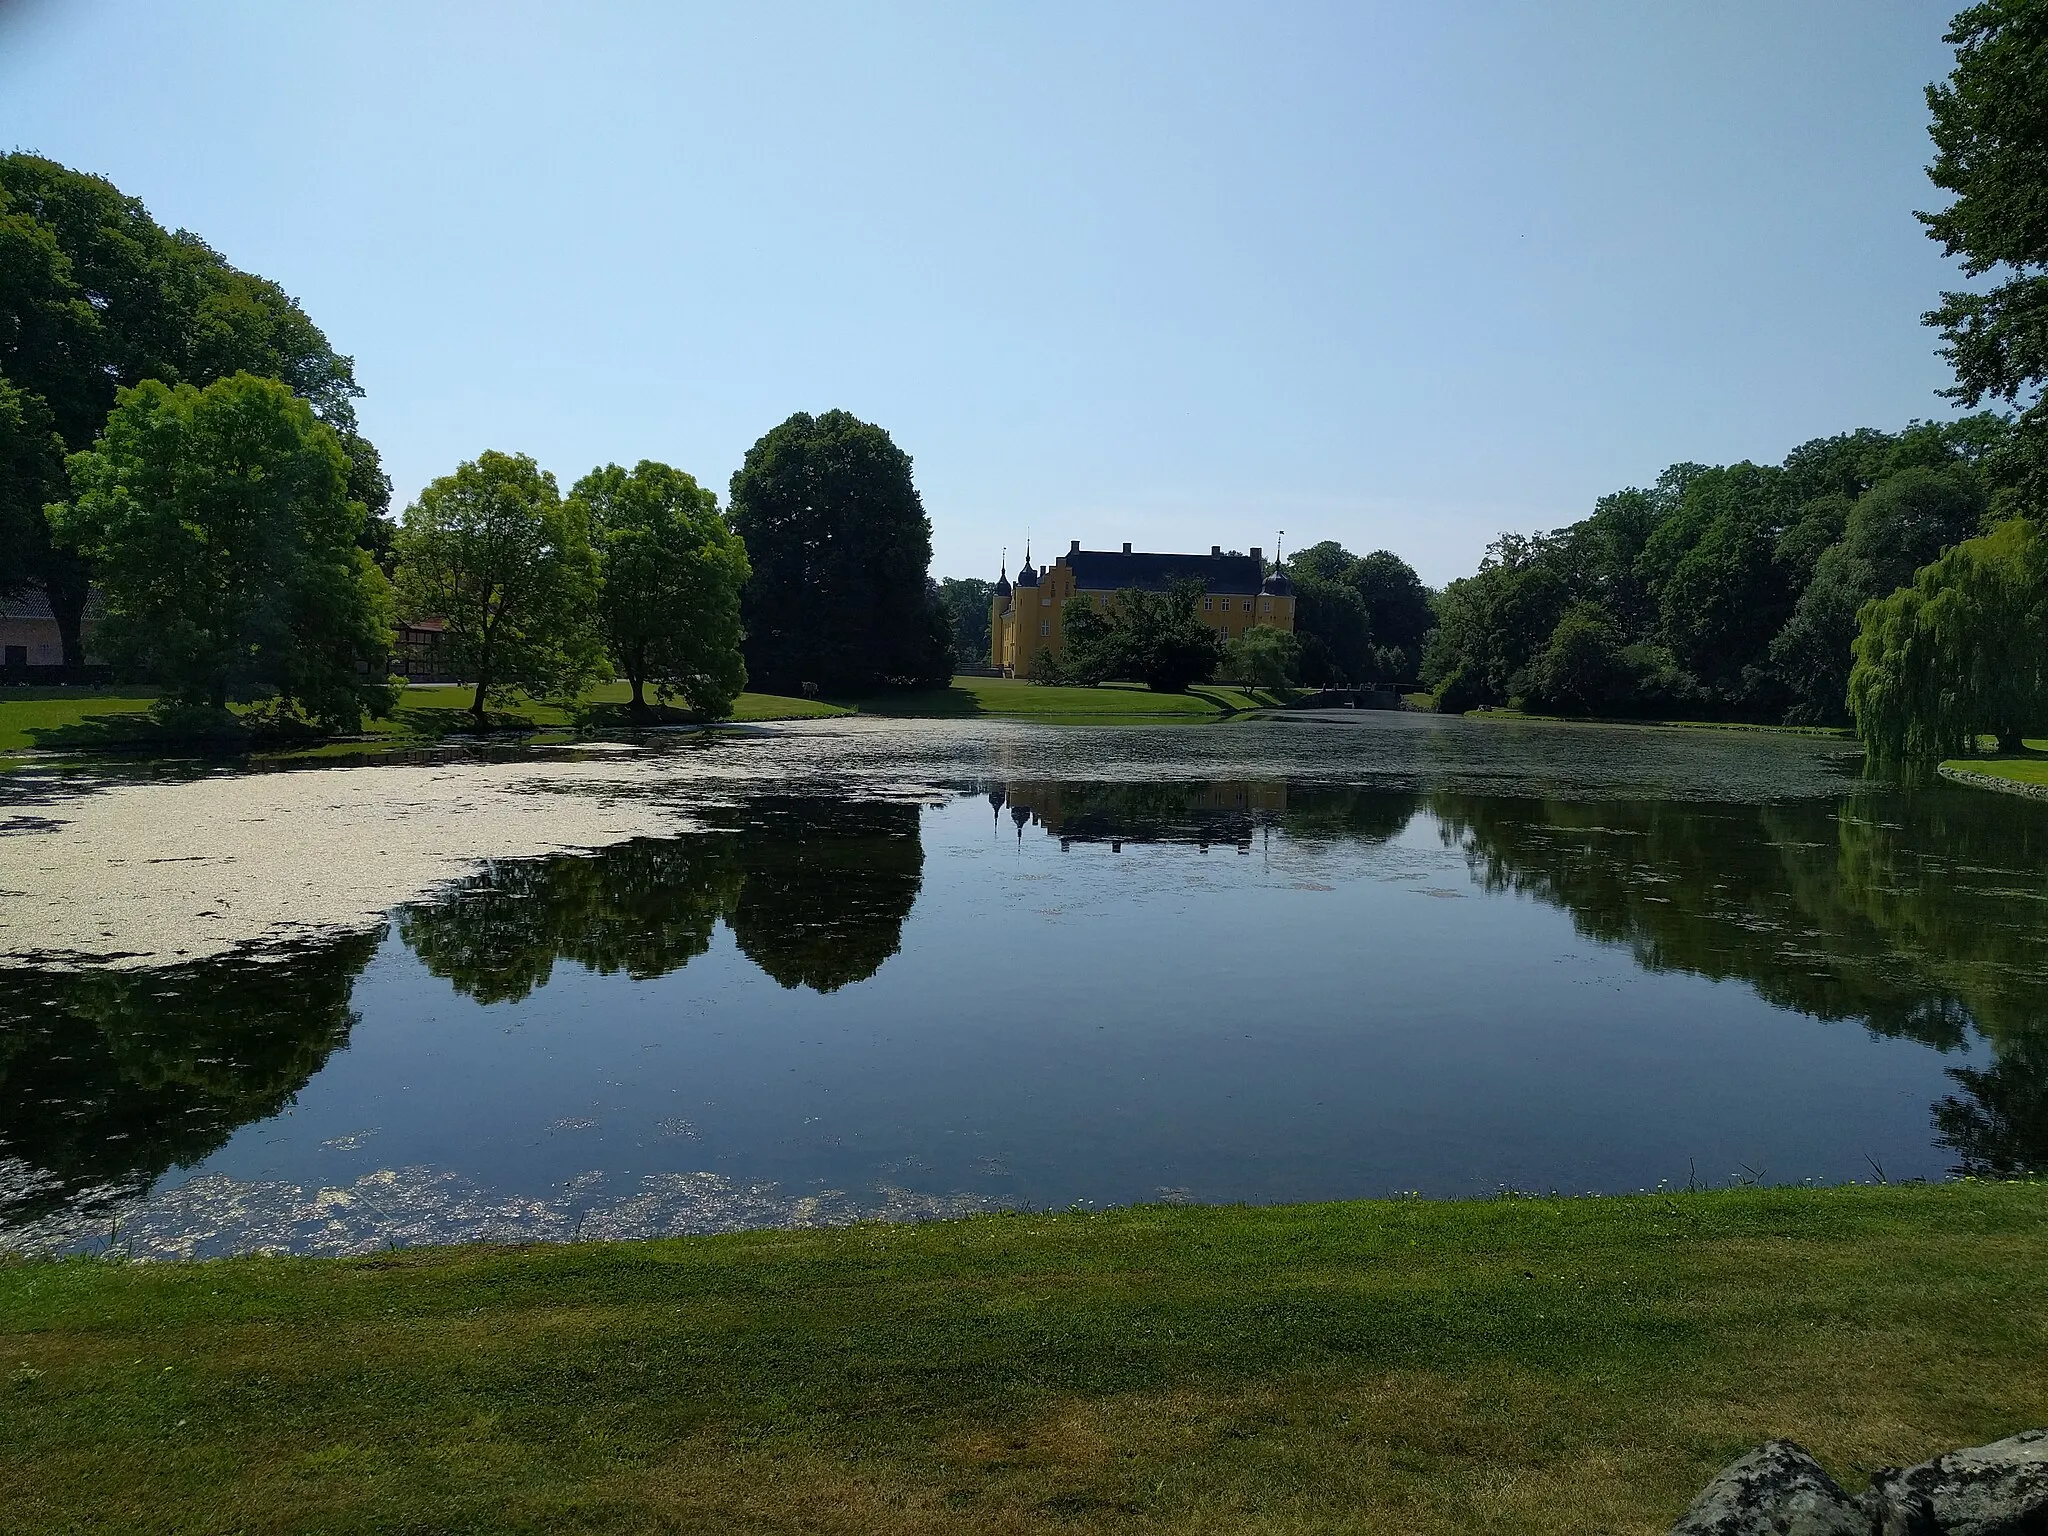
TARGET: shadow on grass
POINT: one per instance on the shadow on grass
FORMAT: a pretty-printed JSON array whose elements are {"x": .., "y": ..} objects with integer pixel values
[{"x": 953, "y": 703}]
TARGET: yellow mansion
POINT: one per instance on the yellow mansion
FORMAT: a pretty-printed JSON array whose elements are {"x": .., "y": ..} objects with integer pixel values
[{"x": 1025, "y": 620}]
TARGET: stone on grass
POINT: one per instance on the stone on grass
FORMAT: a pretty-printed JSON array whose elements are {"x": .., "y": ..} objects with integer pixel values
[
  {"x": 1776, "y": 1490},
  {"x": 1999, "y": 1489}
]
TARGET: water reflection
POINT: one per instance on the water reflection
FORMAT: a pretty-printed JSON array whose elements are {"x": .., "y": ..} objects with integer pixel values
[
  {"x": 110, "y": 1079},
  {"x": 1922, "y": 916}
]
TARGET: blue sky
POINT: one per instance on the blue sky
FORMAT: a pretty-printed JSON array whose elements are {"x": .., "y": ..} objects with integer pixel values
[{"x": 1179, "y": 273}]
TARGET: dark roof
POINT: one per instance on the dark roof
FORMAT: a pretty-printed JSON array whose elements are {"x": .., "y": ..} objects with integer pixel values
[
  {"x": 1277, "y": 585},
  {"x": 1101, "y": 570}
]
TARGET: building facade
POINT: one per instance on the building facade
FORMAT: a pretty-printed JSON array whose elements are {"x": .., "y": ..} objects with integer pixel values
[
  {"x": 1025, "y": 619},
  {"x": 29, "y": 637}
]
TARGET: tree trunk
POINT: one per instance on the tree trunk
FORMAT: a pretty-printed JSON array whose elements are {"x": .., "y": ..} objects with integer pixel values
[
  {"x": 2009, "y": 741},
  {"x": 476, "y": 706},
  {"x": 67, "y": 589},
  {"x": 639, "y": 699}
]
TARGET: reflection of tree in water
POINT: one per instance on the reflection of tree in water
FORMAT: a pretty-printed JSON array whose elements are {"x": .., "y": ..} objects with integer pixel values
[
  {"x": 1925, "y": 916},
  {"x": 815, "y": 892},
  {"x": 1226, "y": 811},
  {"x": 828, "y": 886},
  {"x": 646, "y": 907},
  {"x": 108, "y": 1079}
]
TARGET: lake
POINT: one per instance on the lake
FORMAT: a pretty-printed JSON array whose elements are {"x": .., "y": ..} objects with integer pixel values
[{"x": 818, "y": 972}]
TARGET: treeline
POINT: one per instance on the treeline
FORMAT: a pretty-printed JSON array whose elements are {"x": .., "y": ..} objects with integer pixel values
[
  {"x": 178, "y": 438},
  {"x": 1729, "y": 591}
]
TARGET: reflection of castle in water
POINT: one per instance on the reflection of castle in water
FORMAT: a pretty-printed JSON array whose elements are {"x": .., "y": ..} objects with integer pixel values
[{"x": 1223, "y": 813}]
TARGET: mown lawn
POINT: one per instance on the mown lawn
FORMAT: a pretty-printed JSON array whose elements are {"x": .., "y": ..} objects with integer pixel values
[
  {"x": 1015, "y": 698},
  {"x": 116, "y": 719},
  {"x": 2032, "y": 768},
  {"x": 1526, "y": 1366}
]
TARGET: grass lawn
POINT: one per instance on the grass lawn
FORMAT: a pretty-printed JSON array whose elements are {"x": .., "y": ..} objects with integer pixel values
[
  {"x": 1527, "y": 1366},
  {"x": 1018, "y": 699},
  {"x": 2029, "y": 768},
  {"x": 115, "y": 719},
  {"x": 1831, "y": 731}
]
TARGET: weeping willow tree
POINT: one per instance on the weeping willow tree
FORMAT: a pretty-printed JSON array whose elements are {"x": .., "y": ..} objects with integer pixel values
[{"x": 1961, "y": 653}]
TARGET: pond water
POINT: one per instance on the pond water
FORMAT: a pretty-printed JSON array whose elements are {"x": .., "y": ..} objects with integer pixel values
[{"x": 928, "y": 968}]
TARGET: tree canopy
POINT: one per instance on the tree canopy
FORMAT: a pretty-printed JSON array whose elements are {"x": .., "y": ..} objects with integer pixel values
[
  {"x": 1156, "y": 638},
  {"x": 1725, "y": 590},
  {"x": 1990, "y": 130},
  {"x": 493, "y": 553},
  {"x": 669, "y": 576},
  {"x": 841, "y": 594},
  {"x": 95, "y": 296},
  {"x": 220, "y": 524},
  {"x": 1961, "y": 652},
  {"x": 1361, "y": 619}
]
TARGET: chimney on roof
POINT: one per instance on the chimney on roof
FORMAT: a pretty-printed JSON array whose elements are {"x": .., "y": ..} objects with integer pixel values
[
  {"x": 1258, "y": 553},
  {"x": 1127, "y": 546},
  {"x": 1074, "y": 548},
  {"x": 1215, "y": 549}
]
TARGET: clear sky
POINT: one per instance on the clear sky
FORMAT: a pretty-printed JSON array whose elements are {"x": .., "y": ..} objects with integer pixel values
[{"x": 1182, "y": 273}]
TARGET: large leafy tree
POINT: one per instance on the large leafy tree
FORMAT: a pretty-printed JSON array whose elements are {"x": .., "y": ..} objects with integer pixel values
[
  {"x": 841, "y": 550},
  {"x": 1960, "y": 653},
  {"x": 1990, "y": 129},
  {"x": 220, "y": 524},
  {"x": 669, "y": 574},
  {"x": 493, "y": 552},
  {"x": 31, "y": 475},
  {"x": 96, "y": 296},
  {"x": 967, "y": 605}
]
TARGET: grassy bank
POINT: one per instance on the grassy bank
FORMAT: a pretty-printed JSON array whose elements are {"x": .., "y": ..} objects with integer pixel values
[
  {"x": 1831, "y": 732},
  {"x": 1112, "y": 703},
  {"x": 2029, "y": 768},
  {"x": 84, "y": 720},
  {"x": 1517, "y": 1365}
]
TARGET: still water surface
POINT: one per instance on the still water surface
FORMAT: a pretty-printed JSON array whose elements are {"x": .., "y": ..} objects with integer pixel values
[{"x": 929, "y": 969}]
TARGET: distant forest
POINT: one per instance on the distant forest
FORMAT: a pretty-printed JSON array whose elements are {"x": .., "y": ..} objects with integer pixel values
[{"x": 1729, "y": 591}]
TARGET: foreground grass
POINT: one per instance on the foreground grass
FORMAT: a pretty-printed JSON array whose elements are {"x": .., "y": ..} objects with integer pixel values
[
  {"x": 1527, "y": 1365},
  {"x": 1015, "y": 698}
]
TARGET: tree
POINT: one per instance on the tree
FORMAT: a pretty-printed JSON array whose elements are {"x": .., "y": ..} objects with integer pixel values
[
  {"x": 31, "y": 475},
  {"x": 669, "y": 575},
  {"x": 1582, "y": 670},
  {"x": 221, "y": 526},
  {"x": 1265, "y": 657},
  {"x": 1332, "y": 616},
  {"x": 95, "y": 296},
  {"x": 1900, "y": 524},
  {"x": 1397, "y": 603},
  {"x": 841, "y": 549},
  {"x": 1961, "y": 652},
  {"x": 492, "y": 552},
  {"x": 967, "y": 604},
  {"x": 1163, "y": 638},
  {"x": 1992, "y": 153}
]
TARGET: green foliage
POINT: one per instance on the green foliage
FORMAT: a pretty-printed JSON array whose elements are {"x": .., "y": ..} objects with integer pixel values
[
  {"x": 1961, "y": 652},
  {"x": 669, "y": 576},
  {"x": 31, "y": 475},
  {"x": 1731, "y": 591},
  {"x": 225, "y": 540},
  {"x": 841, "y": 549},
  {"x": 1155, "y": 638},
  {"x": 967, "y": 604},
  {"x": 493, "y": 551},
  {"x": 1992, "y": 153},
  {"x": 1361, "y": 620},
  {"x": 1264, "y": 657},
  {"x": 95, "y": 296}
]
